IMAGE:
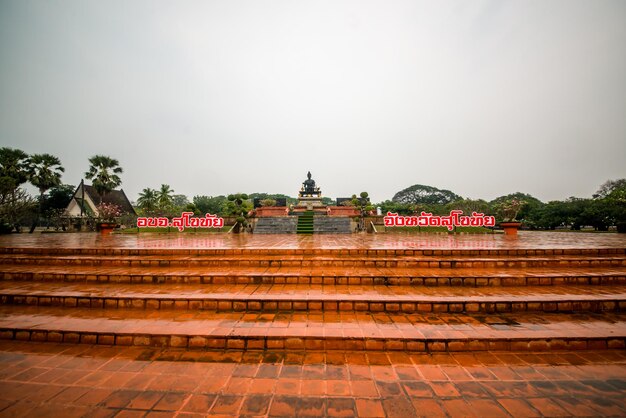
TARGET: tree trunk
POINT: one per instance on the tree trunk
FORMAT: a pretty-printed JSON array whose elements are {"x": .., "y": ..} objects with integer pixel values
[{"x": 38, "y": 217}]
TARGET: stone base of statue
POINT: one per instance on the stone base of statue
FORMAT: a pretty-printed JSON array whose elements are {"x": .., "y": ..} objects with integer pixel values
[{"x": 313, "y": 203}]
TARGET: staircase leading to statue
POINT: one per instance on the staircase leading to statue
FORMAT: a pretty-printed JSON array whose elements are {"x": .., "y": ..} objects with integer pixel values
[
  {"x": 320, "y": 299},
  {"x": 305, "y": 222}
]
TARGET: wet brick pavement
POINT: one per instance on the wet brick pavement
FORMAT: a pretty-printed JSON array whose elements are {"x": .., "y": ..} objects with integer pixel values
[{"x": 92, "y": 381}]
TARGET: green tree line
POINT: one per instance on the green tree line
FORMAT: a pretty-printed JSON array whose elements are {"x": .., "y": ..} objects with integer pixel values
[
  {"x": 44, "y": 171},
  {"x": 605, "y": 209}
]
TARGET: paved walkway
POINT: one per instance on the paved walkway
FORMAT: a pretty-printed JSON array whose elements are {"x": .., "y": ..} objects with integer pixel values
[
  {"x": 275, "y": 331},
  {"x": 327, "y": 330},
  {"x": 78, "y": 380},
  {"x": 525, "y": 239}
]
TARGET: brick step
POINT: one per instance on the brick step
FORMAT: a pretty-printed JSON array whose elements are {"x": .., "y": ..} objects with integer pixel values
[
  {"x": 578, "y": 261},
  {"x": 319, "y": 275},
  {"x": 316, "y": 298},
  {"x": 328, "y": 252},
  {"x": 316, "y": 331}
]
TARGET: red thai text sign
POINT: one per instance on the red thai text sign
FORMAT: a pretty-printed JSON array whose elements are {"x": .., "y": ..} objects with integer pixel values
[
  {"x": 427, "y": 219},
  {"x": 184, "y": 221}
]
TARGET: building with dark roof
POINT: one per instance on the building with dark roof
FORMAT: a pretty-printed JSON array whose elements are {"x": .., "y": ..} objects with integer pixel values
[{"x": 86, "y": 199}]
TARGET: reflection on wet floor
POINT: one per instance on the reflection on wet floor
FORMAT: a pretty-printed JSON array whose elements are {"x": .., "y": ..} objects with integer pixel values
[
  {"x": 73, "y": 381},
  {"x": 305, "y": 330},
  {"x": 525, "y": 239}
]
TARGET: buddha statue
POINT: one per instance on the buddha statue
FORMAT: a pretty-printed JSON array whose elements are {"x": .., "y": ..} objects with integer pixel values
[{"x": 308, "y": 187}]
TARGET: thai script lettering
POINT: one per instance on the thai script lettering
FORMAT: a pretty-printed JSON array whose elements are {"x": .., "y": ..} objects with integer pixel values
[
  {"x": 184, "y": 221},
  {"x": 428, "y": 220}
]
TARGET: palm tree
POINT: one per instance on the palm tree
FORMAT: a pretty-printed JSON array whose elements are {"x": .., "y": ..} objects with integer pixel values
[
  {"x": 164, "y": 197},
  {"x": 103, "y": 173},
  {"x": 45, "y": 173},
  {"x": 14, "y": 165},
  {"x": 14, "y": 202},
  {"x": 148, "y": 200}
]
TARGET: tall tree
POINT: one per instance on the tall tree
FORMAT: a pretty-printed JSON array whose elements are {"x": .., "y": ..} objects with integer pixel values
[
  {"x": 14, "y": 201},
  {"x": 16, "y": 207},
  {"x": 529, "y": 210},
  {"x": 59, "y": 197},
  {"x": 396, "y": 207},
  {"x": 103, "y": 173},
  {"x": 165, "y": 197},
  {"x": 209, "y": 204},
  {"x": 611, "y": 198},
  {"x": 55, "y": 203},
  {"x": 469, "y": 205},
  {"x": 148, "y": 201},
  {"x": 14, "y": 165},
  {"x": 428, "y": 195},
  {"x": 45, "y": 172},
  {"x": 179, "y": 201},
  {"x": 609, "y": 187}
]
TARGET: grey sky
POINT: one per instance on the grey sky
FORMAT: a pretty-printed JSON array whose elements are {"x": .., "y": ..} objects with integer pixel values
[{"x": 221, "y": 97}]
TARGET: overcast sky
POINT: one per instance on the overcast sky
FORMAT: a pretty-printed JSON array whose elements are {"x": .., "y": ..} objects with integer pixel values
[{"x": 483, "y": 98}]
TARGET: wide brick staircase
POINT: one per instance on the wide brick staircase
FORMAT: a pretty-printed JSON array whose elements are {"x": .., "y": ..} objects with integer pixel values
[{"x": 323, "y": 299}]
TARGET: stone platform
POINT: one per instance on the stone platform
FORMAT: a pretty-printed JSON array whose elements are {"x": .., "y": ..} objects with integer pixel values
[
  {"x": 322, "y": 224},
  {"x": 276, "y": 225},
  {"x": 317, "y": 299},
  {"x": 316, "y": 293},
  {"x": 474, "y": 243}
]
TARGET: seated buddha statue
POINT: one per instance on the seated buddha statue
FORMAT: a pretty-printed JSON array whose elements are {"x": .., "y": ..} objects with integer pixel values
[{"x": 308, "y": 187}]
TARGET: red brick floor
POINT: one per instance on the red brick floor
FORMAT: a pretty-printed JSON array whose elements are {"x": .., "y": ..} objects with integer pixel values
[
  {"x": 525, "y": 239},
  {"x": 95, "y": 381},
  {"x": 328, "y": 293}
]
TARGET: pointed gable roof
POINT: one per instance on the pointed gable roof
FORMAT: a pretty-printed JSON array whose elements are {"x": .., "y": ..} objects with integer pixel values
[{"x": 116, "y": 197}]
